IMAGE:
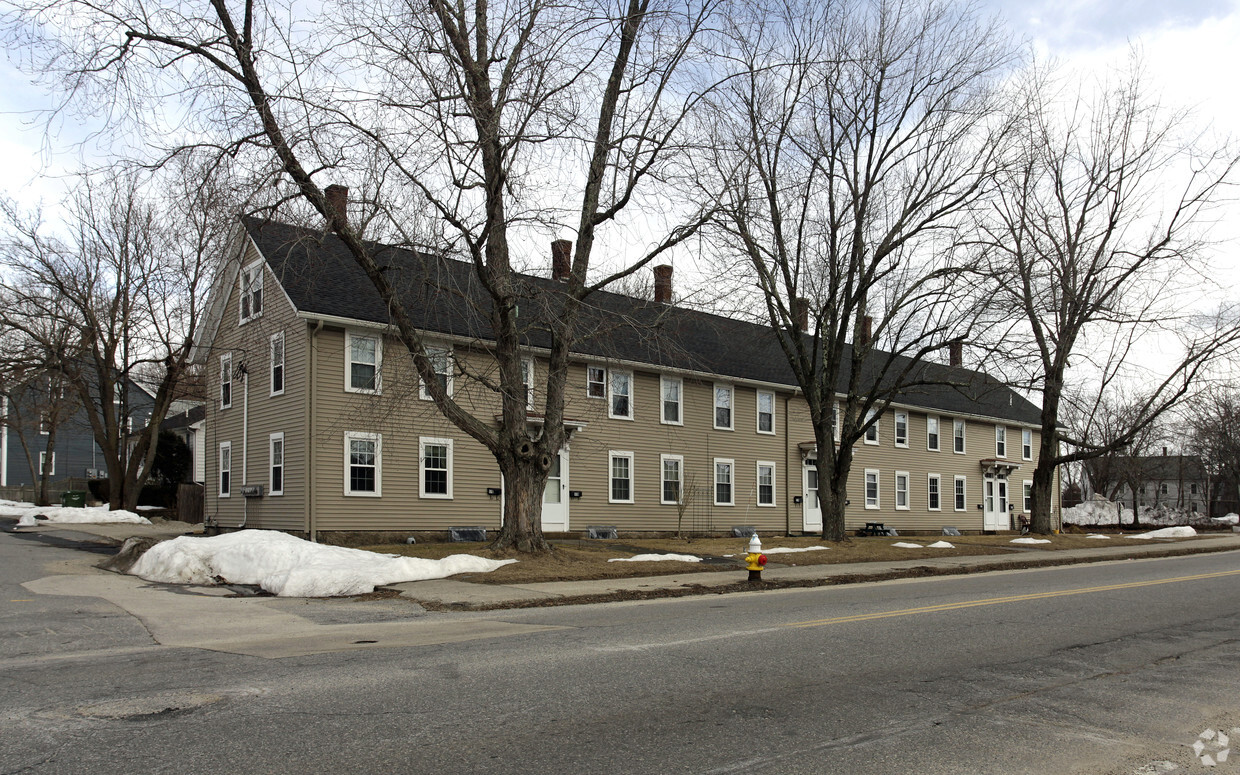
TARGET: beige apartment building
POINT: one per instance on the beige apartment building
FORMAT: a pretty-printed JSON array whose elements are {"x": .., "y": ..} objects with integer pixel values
[{"x": 316, "y": 423}]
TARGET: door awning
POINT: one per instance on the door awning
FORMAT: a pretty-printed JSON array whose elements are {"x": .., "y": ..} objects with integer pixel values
[{"x": 997, "y": 467}]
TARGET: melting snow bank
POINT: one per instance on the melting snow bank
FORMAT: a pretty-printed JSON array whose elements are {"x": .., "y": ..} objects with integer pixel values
[
  {"x": 1097, "y": 535},
  {"x": 907, "y": 545},
  {"x": 1031, "y": 540},
  {"x": 790, "y": 550},
  {"x": 1230, "y": 519},
  {"x": 1167, "y": 532},
  {"x": 291, "y": 567},
  {"x": 657, "y": 558},
  {"x": 30, "y": 516},
  {"x": 940, "y": 545}
]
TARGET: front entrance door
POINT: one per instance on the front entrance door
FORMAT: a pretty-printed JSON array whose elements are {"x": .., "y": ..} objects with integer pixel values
[
  {"x": 555, "y": 496},
  {"x": 811, "y": 508},
  {"x": 995, "y": 503}
]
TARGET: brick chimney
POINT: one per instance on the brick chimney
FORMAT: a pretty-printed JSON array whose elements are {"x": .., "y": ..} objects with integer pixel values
[
  {"x": 561, "y": 259},
  {"x": 955, "y": 353},
  {"x": 800, "y": 312},
  {"x": 337, "y": 205},
  {"x": 867, "y": 330},
  {"x": 663, "y": 284}
]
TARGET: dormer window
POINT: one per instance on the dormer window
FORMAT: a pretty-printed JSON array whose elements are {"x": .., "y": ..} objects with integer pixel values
[{"x": 251, "y": 287}]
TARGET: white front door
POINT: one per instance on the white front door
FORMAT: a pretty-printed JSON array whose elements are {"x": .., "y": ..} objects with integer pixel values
[
  {"x": 995, "y": 503},
  {"x": 555, "y": 496},
  {"x": 811, "y": 508}
]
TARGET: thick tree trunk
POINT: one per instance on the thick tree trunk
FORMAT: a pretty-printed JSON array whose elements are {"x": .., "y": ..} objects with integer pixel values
[
  {"x": 525, "y": 477},
  {"x": 835, "y": 475},
  {"x": 1043, "y": 496}
]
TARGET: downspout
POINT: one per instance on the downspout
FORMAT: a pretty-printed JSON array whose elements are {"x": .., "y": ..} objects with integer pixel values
[
  {"x": 245, "y": 442},
  {"x": 311, "y": 395}
]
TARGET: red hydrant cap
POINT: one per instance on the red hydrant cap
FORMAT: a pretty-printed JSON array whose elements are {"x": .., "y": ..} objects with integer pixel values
[{"x": 762, "y": 559}]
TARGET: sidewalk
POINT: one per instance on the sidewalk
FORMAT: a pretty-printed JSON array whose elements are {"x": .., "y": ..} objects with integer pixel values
[{"x": 452, "y": 594}]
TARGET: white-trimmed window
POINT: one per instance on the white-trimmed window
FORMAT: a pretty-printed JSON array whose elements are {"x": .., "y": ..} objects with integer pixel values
[
  {"x": 932, "y": 434},
  {"x": 958, "y": 436},
  {"x": 835, "y": 421},
  {"x": 596, "y": 382},
  {"x": 621, "y": 466},
  {"x": 902, "y": 490},
  {"x": 47, "y": 467},
  {"x": 766, "y": 412},
  {"x": 250, "y": 284},
  {"x": 620, "y": 400},
  {"x": 723, "y": 481},
  {"x": 441, "y": 364},
  {"x": 1000, "y": 441},
  {"x": 871, "y": 433},
  {"x": 766, "y": 483},
  {"x": 275, "y": 450},
  {"x": 1027, "y": 496},
  {"x": 961, "y": 488},
  {"x": 277, "y": 363},
  {"x": 225, "y": 469},
  {"x": 672, "y": 390},
  {"x": 1026, "y": 444},
  {"x": 527, "y": 381},
  {"x": 871, "y": 488},
  {"x": 901, "y": 423},
  {"x": 363, "y": 464},
  {"x": 364, "y": 356},
  {"x": 672, "y": 485},
  {"x": 435, "y": 468},
  {"x": 723, "y": 407},
  {"x": 45, "y": 424},
  {"x": 934, "y": 493},
  {"x": 226, "y": 377}
]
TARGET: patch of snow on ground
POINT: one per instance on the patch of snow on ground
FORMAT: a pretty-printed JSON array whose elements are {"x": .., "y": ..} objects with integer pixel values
[
  {"x": 1168, "y": 532},
  {"x": 1230, "y": 519},
  {"x": 940, "y": 545},
  {"x": 31, "y": 516},
  {"x": 907, "y": 545},
  {"x": 790, "y": 550},
  {"x": 149, "y": 508},
  {"x": 1031, "y": 540},
  {"x": 1098, "y": 535},
  {"x": 657, "y": 558},
  {"x": 291, "y": 567}
]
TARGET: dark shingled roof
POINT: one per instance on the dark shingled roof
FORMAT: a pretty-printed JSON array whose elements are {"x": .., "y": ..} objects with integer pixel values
[
  {"x": 445, "y": 296},
  {"x": 1162, "y": 467}
]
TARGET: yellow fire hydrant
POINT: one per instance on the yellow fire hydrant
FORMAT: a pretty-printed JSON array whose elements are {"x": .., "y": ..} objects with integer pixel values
[{"x": 755, "y": 559}]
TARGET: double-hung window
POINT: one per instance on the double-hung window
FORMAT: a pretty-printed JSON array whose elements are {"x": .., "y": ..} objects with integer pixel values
[
  {"x": 933, "y": 493},
  {"x": 1026, "y": 444},
  {"x": 672, "y": 389},
  {"x": 363, "y": 464},
  {"x": 902, "y": 490},
  {"x": 596, "y": 382},
  {"x": 226, "y": 377},
  {"x": 527, "y": 381},
  {"x": 251, "y": 287},
  {"x": 766, "y": 412},
  {"x": 673, "y": 476},
  {"x": 723, "y": 482},
  {"x": 365, "y": 354},
  {"x": 441, "y": 364},
  {"x": 871, "y": 488},
  {"x": 932, "y": 434},
  {"x": 47, "y": 464},
  {"x": 225, "y": 469},
  {"x": 621, "y": 464},
  {"x": 901, "y": 428},
  {"x": 961, "y": 485},
  {"x": 723, "y": 407},
  {"x": 275, "y": 449},
  {"x": 871, "y": 432},
  {"x": 1000, "y": 441},
  {"x": 620, "y": 402},
  {"x": 1027, "y": 492},
  {"x": 277, "y": 363},
  {"x": 958, "y": 436},
  {"x": 435, "y": 468},
  {"x": 766, "y": 483}
]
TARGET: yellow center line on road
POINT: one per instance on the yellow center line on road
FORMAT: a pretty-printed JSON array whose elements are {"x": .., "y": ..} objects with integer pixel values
[{"x": 999, "y": 600}]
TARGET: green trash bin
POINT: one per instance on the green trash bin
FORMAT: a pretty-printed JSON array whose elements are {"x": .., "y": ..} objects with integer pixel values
[{"x": 74, "y": 499}]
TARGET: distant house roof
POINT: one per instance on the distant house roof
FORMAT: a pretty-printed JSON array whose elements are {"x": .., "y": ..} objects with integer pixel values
[
  {"x": 184, "y": 419},
  {"x": 1162, "y": 467},
  {"x": 444, "y": 295}
]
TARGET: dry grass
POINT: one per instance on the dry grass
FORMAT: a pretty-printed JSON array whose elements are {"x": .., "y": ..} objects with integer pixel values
[{"x": 575, "y": 560}]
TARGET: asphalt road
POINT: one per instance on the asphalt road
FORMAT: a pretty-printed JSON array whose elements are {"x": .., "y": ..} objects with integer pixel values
[{"x": 1105, "y": 668}]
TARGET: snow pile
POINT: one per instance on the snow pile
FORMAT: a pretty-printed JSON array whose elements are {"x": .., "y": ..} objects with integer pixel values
[
  {"x": 1098, "y": 535},
  {"x": 658, "y": 558},
  {"x": 790, "y": 550},
  {"x": 291, "y": 567},
  {"x": 940, "y": 545},
  {"x": 1230, "y": 519},
  {"x": 30, "y": 516},
  {"x": 1103, "y": 512},
  {"x": 907, "y": 545},
  {"x": 1031, "y": 540},
  {"x": 1168, "y": 532}
]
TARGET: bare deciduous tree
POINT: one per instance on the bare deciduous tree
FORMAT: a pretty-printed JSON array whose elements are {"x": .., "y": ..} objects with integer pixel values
[{"x": 851, "y": 140}]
